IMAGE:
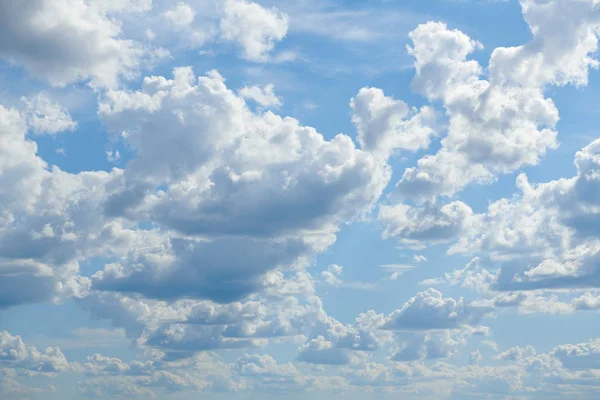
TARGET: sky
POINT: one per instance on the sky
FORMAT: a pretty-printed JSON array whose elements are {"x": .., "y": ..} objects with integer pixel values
[{"x": 309, "y": 199}]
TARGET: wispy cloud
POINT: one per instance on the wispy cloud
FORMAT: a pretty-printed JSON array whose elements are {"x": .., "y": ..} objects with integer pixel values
[
  {"x": 396, "y": 270},
  {"x": 82, "y": 338},
  {"x": 332, "y": 276}
]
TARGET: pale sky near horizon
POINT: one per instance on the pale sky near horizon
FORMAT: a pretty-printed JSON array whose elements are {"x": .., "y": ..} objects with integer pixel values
[{"x": 228, "y": 199}]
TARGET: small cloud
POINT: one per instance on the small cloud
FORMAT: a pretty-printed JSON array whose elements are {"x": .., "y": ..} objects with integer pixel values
[
  {"x": 46, "y": 233},
  {"x": 181, "y": 15},
  {"x": 332, "y": 276},
  {"x": 492, "y": 345},
  {"x": 419, "y": 258},
  {"x": 285, "y": 56},
  {"x": 394, "y": 276},
  {"x": 432, "y": 282},
  {"x": 359, "y": 285},
  {"x": 150, "y": 34},
  {"x": 397, "y": 270},
  {"x": 309, "y": 105},
  {"x": 113, "y": 156},
  {"x": 263, "y": 95}
]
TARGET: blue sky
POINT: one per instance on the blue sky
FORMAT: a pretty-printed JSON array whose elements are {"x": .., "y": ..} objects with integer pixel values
[{"x": 299, "y": 199}]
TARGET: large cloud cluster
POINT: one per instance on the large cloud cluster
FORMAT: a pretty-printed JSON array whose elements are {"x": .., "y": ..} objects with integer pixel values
[
  {"x": 207, "y": 233},
  {"x": 496, "y": 125}
]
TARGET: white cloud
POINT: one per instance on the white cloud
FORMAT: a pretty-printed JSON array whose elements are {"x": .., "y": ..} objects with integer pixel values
[
  {"x": 518, "y": 121},
  {"x": 181, "y": 15},
  {"x": 418, "y": 258},
  {"x": 428, "y": 223},
  {"x": 244, "y": 169},
  {"x": 430, "y": 310},
  {"x": 429, "y": 346},
  {"x": 121, "y": 6},
  {"x": 254, "y": 28},
  {"x": 546, "y": 235},
  {"x": 332, "y": 274},
  {"x": 113, "y": 156},
  {"x": 321, "y": 351},
  {"x": 473, "y": 276},
  {"x": 47, "y": 117},
  {"x": 15, "y": 354},
  {"x": 385, "y": 124},
  {"x": 207, "y": 233},
  {"x": 263, "y": 95},
  {"x": 64, "y": 41},
  {"x": 397, "y": 270},
  {"x": 580, "y": 356}
]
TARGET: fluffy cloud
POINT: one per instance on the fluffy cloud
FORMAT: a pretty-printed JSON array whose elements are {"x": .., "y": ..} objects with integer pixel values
[
  {"x": 207, "y": 233},
  {"x": 47, "y": 117},
  {"x": 544, "y": 236},
  {"x": 385, "y": 124},
  {"x": 181, "y": 15},
  {"x": 503, "y": 123},
  {"x": 22, "y": 170},
  {"x": 518, "y": 121},
  {"x": 495, "y": 125},
  {"x": 253, "y": 28},
  {"x": 45, "y": 221},
  {"x": 332, "y": 274},
  {"x": 580, "y": 356},
  {"x": 15, "y": 354},
  {"x": 429, "y": 346},
  {"x": 264, "y": 185},
  {"x": 68, "y": 40},
  {"x": 263, "y": 95},
  {"x": 427, "y": 223},
  {"x": 322, "y": 351},
  {"x": 112, "y": 377},
  {"x": 430, "y": 310}
]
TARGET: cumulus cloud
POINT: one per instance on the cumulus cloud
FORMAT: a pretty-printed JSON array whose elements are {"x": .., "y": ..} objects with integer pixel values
[
  {"x": 543, "y": 236},
  {"x": 15, "y": 354},
  {"x": 264, "y": 185},
  {"x": 430, "y": 310},
  {"x": 68, "y": 40},
  {"x": 207, "y": 233},
  {"x": 503, "y": 123},
  {"x": 429, "y": 346},
  {"x": 44, "y": 116},
  {"x": 264, "y": 95},
  {"x": 181, "y": 15},
  {"x": 332, "y": 274},
  {"x": 385, "y": 124},
  {"x": 518, "y": 121},
  {"x": 45, "y": 220},
  {"x": 473, "y": 276},
  {"x": 497, "y": 124},
  {"x": 321, "y": 351},
  {"x": 253, "y": 28},
  {"x": 580, "y": 356},
  {"x": 110, "y": 376},
  {"x": 428, "y": 223}
]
